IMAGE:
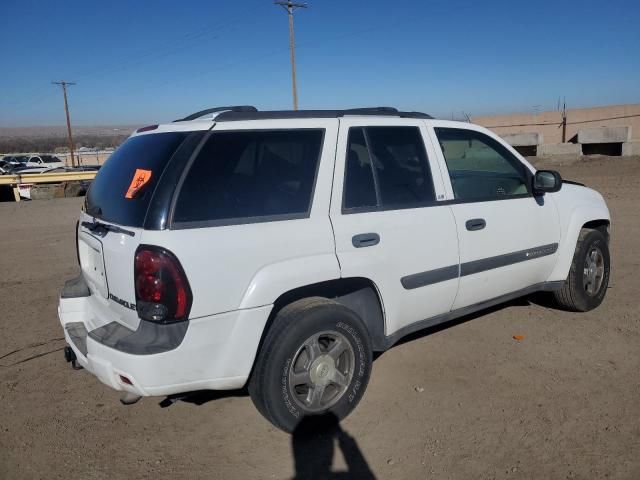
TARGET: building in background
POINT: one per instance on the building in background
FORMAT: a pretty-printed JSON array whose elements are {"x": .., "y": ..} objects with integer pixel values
[{"x": 610, "y": 130}]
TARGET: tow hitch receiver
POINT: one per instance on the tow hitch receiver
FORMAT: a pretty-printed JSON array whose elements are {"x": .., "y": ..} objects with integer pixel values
[{"x": 70, "y": 357}]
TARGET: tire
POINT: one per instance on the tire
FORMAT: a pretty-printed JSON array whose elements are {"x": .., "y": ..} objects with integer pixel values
[
  {"x": 585, "y": 288},
  {"x": 315, "y": 360}
]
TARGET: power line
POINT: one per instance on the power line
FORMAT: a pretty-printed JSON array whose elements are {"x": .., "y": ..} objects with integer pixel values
[
  {"x": 290, "y": 7},
  {"x": 560, "y": 124},
  {"x": 64, "y": 84}
]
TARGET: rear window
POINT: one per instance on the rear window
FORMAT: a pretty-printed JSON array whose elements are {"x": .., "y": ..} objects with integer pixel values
[
  {"x": 251, "y": 176},
  {"x": 107, "y": 197}
]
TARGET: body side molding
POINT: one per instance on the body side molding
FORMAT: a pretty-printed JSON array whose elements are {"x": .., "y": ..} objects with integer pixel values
[{"x": 430, "y": 277}]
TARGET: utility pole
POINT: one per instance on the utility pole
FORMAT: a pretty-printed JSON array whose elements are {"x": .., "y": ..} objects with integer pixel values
[
  {"x": 564, "y": 121},
  {"x": 289, "y": 6},
  {"x": 64, "y": 84}
]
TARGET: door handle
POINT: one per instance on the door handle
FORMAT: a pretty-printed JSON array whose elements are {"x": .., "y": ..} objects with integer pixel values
[
  {"x": 475, "y": 224},
  {"x": 365, "y": 240}
]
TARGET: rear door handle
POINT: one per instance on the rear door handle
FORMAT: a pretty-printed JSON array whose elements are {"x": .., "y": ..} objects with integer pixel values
[
  {"x": 365, "y": 240},
  {"x": 476, "y": 224}
]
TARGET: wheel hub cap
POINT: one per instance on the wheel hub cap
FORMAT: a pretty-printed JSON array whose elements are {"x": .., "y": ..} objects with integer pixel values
[
  {"x": 321, "y": 371},
  {"x": 593, "y": 272}
]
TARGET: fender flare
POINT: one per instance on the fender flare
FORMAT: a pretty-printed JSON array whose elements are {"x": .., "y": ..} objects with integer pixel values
[{"x": 578, "y": 217}]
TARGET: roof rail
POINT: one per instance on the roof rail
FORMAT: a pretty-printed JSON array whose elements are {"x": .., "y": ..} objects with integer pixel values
[
  {"x": 202, "y": 113},
  {"x": 235, "y": 115}
]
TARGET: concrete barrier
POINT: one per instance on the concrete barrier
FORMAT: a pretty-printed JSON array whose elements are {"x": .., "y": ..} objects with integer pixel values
[
  {"x": 524, "y": 139},
  {"x": 604, "y": 135},
  {"x": 560, "y": 149},
  {"x": 630, "y": 148}
]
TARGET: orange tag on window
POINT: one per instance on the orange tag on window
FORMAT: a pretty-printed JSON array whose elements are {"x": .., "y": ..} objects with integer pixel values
[{"x": 140, "y": 179}]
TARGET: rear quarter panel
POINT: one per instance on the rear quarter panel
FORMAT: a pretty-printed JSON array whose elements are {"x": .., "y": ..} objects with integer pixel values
[{"x": 251, "y": 265}]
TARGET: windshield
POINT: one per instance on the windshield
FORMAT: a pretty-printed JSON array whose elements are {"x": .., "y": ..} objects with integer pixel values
[{"x": 123, "y": 187}]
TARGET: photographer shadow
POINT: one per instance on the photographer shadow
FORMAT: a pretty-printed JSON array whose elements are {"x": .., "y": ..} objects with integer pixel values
[{"x": 313, "y": 443}]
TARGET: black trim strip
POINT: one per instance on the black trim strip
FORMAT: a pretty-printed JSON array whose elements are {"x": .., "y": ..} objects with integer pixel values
[
  {"x": 78, "y": 335},
  {"x": 148, "y": 339},
  {"x": 477, "y": 266},
  {"x": 423, "y": 279},
  {"x": 443, "y": 274}
]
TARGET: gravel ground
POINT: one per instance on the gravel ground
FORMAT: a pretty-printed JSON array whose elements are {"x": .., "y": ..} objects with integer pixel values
[{"x": 467, "y": 401}]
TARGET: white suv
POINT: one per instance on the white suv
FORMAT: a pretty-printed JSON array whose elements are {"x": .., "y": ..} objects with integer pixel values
[
  {"x": 280, "y": 249},
  {"x": 44, "y": 161}
]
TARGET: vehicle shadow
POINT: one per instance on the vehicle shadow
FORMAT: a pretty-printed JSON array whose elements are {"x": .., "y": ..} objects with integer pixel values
[
  {"x": 313, "y": 444},
  {"x": 518, "y": 302},
  {"x": 200, "y": 397}
]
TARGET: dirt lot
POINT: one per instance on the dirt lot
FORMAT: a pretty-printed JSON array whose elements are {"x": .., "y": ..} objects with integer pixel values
[{"x": 461, "y": 402}]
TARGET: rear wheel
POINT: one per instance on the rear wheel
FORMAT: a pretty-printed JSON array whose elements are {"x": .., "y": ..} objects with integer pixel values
[
  {"x": 315, "y": 360},
  {"x": 588, "y": 278}
]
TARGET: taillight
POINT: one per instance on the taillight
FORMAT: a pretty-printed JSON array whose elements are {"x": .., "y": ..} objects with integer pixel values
[{"x": 162, "y": 291}]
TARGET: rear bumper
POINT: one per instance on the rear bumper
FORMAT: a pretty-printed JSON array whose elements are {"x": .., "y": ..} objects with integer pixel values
[{"x": 216, "y": 352}]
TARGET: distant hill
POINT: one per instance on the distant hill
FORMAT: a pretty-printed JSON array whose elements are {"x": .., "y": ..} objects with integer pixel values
[
  {"x": 50, "y": 138},
  {"x": 61, "y": 131}
]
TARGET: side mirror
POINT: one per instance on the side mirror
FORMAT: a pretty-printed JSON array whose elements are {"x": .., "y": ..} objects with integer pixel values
[{"x": 546, "y": 181}]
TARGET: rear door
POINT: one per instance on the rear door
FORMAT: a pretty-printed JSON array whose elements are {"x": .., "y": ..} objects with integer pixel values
[
  {"x": 115, "y": 212},
  {"x": 389, "y": 225},
  {"x": 508, "y": 238}
]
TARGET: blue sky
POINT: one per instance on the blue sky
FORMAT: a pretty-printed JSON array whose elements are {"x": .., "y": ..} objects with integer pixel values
[{"x": 149, "y": 61}]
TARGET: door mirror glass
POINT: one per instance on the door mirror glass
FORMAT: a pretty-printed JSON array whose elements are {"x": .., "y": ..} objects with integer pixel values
[{"x": 547, "y": 181}]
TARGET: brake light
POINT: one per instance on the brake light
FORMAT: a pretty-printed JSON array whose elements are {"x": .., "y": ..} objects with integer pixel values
[{"x": 162, "y": 290}]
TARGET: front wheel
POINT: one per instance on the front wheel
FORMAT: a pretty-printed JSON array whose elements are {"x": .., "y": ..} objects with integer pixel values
[
  {"x": 315, "y": 360},
  {"x": 588, "y": 278}
]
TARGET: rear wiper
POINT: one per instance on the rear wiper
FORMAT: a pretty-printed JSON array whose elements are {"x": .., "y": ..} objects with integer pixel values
[{"x": 102, "y": 229}]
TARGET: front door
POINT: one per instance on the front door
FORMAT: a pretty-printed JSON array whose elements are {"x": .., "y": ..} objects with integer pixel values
[
  {"x": 508, "y": 238},
  {"x": 389, "y": 226}
]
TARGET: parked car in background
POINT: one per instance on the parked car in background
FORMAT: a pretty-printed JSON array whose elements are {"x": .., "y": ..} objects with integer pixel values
[
  {"x": 44, "y": 161},
  {"x": 11, "y": 162}
]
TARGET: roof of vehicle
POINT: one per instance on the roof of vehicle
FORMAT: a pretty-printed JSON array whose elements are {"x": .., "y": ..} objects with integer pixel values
[{"x": 204, "y": 119}]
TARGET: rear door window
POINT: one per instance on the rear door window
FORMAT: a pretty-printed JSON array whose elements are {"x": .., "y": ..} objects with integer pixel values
[
  {"x": 386, "y": 168},
  {"x": 110, "y": 196},
  {"x": 250, "y": 176}
]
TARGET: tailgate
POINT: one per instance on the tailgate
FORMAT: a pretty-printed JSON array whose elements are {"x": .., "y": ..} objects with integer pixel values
[{"x": 106, "y": 260}]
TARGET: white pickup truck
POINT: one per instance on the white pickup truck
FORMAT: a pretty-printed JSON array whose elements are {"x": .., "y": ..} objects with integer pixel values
[{"x": 280, "y": 249}]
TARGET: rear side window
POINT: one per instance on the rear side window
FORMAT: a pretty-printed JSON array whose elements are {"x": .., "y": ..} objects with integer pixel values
[
  {"x": 106, "y": 198},
  {"x": 251, "y": 176},
  {"x": 386, "y": 168}
]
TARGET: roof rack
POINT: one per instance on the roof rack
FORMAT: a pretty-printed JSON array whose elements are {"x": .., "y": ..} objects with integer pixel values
[
  {"x": 231, "y": 116},
  {"x": 247, "y": 112},
  {"x": 202, "y": 113}
]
